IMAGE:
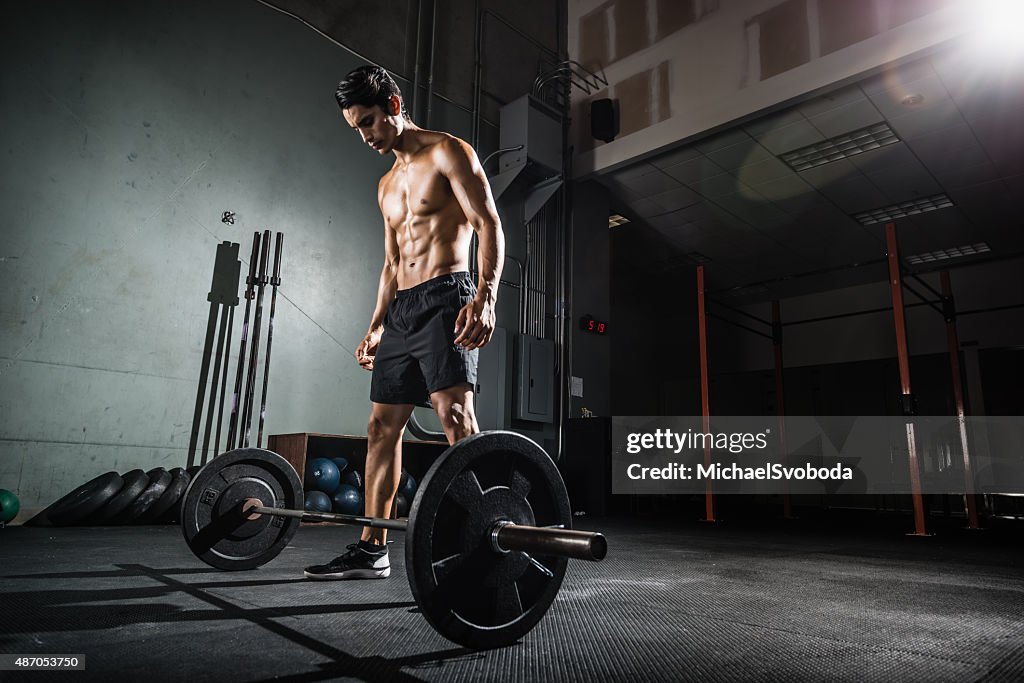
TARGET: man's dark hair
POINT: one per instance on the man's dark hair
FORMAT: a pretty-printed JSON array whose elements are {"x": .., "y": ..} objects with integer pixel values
[{"x": 368, "y": 86}]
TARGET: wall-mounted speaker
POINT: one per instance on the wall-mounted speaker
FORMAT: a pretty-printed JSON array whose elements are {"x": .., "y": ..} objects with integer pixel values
[{"x": 604, "y": 119}]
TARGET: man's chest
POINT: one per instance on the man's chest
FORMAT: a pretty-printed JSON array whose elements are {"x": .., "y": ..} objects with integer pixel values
[{"x": 416, "y": 191}]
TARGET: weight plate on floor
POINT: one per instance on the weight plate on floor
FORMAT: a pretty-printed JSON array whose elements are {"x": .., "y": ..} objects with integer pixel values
[
  {"x": 159, "y": 480},
  {"x": 85, "y": 500},
  {"x": 167, "y": 499},
  {"x": 470, "y": 593},
  {"x": 135, "y": 482},
  {"x": 173, "y": 514},
  {"x": 212, "y": 522}
]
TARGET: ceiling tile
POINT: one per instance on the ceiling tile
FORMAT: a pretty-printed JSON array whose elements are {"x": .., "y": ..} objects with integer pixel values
[
  {"x": 890, "y": 99},
  {"x": 822, "y": 176},
  {"x": 955, "y": 145},
  {"x": 666, "y": 221},
  {"x": 677, "y": 198},
  {"x": 1002, "y": 137},
  {"x": 720, "y": 140},
  {"x": 883, "y": 157},
  {"x": 620, "y": 191},
  {"x": 952, "y": 176},
  {"x": 763, "y": 171},
  {"x": 676, "y": 156},
  {"x": 694, "y": 170},
  {"x": 631, "y": 172},
  {"x": 717, "y": 186},
  {"x": 652, "y": 184},
  {"x": 645, "y": 208},
  {"x": 926, "y": 119},
  {"x": 774, "y": 121},
  {"x": 790, "y": 193},
  {"x": 903, "y": 182},
  {"x": 855, "y": 194},
  {"x": 734, "y": 156},
  {"x": 838, "y": 98},
  {"x": 846, "y": 118},
  {"x": 790, "y": 137},
  {"x": 980, "y": 93}
]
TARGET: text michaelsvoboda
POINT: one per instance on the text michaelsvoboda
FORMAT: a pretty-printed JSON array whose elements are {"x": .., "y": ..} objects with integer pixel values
[{"x": 770, "y": 471}]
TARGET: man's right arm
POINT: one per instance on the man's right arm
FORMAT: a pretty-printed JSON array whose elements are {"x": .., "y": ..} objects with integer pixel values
[{"x": 388, "y": 284}]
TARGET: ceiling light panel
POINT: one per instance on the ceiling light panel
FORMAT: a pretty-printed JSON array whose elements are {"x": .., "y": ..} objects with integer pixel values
[
  {"x": 946, "y": 254},
  {"x": 840, "y": 147},
  {"x": 903, "y": 209}
]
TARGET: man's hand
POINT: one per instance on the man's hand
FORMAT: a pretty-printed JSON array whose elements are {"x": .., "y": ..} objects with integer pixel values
[
  {"x": 367, "y": 349},
  {"x": 475, "y": 324}
]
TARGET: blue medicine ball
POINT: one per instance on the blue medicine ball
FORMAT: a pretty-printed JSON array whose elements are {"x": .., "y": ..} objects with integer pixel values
[
  {"x": 342, "y": 463},
  {"x": 348, "y": 500},
  {"x": 322, "y": 475},
  {"x": 401, "y": 505},
  {"x": 317, "y": 501},
  {"x": 354, "y": 479},
  {"x": 407, "y": 486}
]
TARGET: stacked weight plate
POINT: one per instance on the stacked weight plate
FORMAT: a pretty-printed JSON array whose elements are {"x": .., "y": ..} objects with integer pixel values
[{"x": 136, "y": 497}]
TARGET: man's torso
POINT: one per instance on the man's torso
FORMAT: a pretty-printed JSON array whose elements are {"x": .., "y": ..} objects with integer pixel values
[{"x": 418, "y": 203}]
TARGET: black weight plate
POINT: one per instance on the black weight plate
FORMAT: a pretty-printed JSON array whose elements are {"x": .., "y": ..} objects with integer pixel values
[
  {"x": 159, "y": 480},
  {"x": 470, "y": 593},
  {"x": 173, "y": 514},
  {"x": 167, "y": 499},
  {"x": 135, "y": 482},
  {"x": 85, "y": 500},
  {"x": 212, "y": 523}
]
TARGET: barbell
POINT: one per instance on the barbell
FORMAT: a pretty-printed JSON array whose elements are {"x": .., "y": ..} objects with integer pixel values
[{"x": 488, "y": 534}]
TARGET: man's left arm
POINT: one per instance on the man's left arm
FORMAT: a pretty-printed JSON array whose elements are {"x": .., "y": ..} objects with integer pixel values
[{"x": 475, "y": 323}]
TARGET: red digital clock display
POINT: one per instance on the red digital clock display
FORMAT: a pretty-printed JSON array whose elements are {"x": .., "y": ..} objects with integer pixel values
[{"x": 589, "y": 324}]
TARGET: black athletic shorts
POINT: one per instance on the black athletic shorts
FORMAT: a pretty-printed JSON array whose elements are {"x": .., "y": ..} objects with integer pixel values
[{"x": 417, "y": 356}]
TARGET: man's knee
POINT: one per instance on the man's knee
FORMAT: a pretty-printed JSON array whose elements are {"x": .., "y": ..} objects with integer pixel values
[
  {"x": 383, "y": 428},
  {"x": 456, "y": 413}
]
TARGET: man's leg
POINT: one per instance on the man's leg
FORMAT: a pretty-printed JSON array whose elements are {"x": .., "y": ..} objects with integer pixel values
[
  {"x": 383, "y": 463},
  {"x": 454, "y": 407},
  {"x": 369, "y": 558}
]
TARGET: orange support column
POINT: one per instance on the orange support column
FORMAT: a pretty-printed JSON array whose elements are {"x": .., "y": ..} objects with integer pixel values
[
  {"x": 903, "y": 356},
  {"x": 709, "y": 496},
  {"x": 953, "y": 342}
]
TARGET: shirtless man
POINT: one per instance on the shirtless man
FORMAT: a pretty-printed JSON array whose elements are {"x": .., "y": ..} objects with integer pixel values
[{"x": 430, "y": 317}]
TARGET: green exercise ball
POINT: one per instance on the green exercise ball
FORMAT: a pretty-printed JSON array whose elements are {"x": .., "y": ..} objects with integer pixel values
[{"x": 9, "y": 506}]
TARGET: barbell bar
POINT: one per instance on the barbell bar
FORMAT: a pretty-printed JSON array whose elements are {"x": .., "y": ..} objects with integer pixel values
[{"x": 505, "y": 536}]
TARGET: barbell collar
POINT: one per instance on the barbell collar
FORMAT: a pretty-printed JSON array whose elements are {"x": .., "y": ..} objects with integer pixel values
[
  {"x": 580, "y": 545},
  {"x": 376, "y": 522}
]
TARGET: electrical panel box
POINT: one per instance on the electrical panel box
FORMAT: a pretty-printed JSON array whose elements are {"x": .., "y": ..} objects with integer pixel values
[
  {"x": 530, "y": 123},
  {"x": 535, "y": 379},
  {"x": 494, "y": 390}
]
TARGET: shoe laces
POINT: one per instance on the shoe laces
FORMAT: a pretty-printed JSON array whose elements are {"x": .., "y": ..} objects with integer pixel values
[{"x": 354, "y": 550}]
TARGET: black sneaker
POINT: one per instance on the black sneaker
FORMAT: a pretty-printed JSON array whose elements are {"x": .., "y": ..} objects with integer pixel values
[{"x": 355, "y": 564}]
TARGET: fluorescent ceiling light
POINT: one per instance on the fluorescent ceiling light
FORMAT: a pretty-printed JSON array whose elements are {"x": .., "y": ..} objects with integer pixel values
[
  {"x": 894, "y": 211},
  {"x": 946, "y": 254},
  {"x": 615, "y": 220},
  {"x": 840, "y": 147}
]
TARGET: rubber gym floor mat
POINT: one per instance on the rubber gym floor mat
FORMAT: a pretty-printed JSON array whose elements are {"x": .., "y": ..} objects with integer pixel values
[{"x": 692, "y": 602}]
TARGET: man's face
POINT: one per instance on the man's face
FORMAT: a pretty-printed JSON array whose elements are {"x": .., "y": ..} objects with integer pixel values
[{"x": 378, "y": 129}]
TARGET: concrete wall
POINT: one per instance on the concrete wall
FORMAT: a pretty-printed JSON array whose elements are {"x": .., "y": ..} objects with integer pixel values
[
  {"x": 658, "y": 54},
  {"x": 128, "y": 129},
  {"x": 514, "y": 38}
]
